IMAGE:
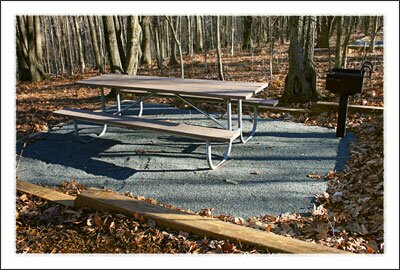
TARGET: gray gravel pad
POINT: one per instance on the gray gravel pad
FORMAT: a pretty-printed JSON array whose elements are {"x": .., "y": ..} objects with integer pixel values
[{"x": 267, "y": 175}]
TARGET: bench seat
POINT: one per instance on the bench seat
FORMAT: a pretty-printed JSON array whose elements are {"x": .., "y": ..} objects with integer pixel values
[
  {"x": 253, "y": 101},
  {"x": 131, "y": 122}
]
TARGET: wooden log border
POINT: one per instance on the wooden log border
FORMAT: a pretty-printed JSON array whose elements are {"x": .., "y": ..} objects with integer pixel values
[{"x": 168, "y": 218}]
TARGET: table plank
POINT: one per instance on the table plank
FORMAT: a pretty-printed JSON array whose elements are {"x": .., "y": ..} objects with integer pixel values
[{"x": 206, "y": 88}]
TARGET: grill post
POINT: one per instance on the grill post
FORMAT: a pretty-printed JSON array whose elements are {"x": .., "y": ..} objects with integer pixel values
[{"x": 342, "y": 115}]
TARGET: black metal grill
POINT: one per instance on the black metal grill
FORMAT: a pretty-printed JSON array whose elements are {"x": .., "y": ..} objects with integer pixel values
[{"x": 346, "y": 82}]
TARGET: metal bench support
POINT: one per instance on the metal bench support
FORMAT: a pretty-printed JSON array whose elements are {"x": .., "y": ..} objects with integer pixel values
[
  {"x": 76, "y": 133},
  {"x": 224, "y": 159},
  {"x": 240, "y": 122}
]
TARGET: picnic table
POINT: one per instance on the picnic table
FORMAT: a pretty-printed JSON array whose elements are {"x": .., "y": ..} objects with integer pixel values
[{"x": 184, "y": 89}]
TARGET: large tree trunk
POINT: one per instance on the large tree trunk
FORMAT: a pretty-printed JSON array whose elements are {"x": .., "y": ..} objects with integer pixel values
[
  {"x": 247, "y": 42},
  {"x": 190, "y": 39},
  {"x": 301, "y": 80},
  {"x": 97, "y": 56},
  {"x": 146, "y": 40},
  {"x": 133, "y": 45},
  {"x": 119, "y": 36},
  {"x": 112, "y": 45},
  {"x": 324, "y": 30},
  {"x": 199, "y": 35},
  {"x": 157, "y": 43},
  {"x": 57, "y": 26},
  {"x": 172, "y": 57},
  {"x": 102, "y": 49},
  {"x": 80, "y": 47},
  {"x": 219, "y": 58},
  {"x": 29, "y": 37}
]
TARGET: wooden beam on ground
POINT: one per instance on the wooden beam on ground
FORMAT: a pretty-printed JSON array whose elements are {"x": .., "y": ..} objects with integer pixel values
[
  {"x": 321, "y": 106},
  {"x": 282, "y": 109},
  {"x": 198, "y": 225},
  {"x": 46, "y": 193}
]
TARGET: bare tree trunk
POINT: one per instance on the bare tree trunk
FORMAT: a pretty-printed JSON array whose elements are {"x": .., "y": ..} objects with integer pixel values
[
  {"x": 190, "y": 39},
  {"x": 232, "y": 34},
  {"x": 133, "y": 45},
  {"x": 162, "y": 38},
  {"x": 376, "y": 27},
  {"x": 338, "y": 62},
  {"x": 348, "y": 27},
  {"x": 146, "y": 41},
  {"x": 301, "y": 80},
  {"x": 97, "y": 56},
  {"x": 366, "y": 25},
  {"x": 157, "y": 42},
  {"x": 80, "y": 47},
  {"x": 199, "y": 35},
  {"x": 324, "y": 30},
  {"x": 178, "y": 43},
  {"x": 247, "y": 23},
  {"x": 55, "y": 24},
  {"x": 173, "y": 59},
  {"x": 67, "y": 43},
  {"x": 53, "y": 47},
  {"x": 271, "y": 48},
  {"x": 119, "y": 37},
  {"x": 112, "y": 45},
  {"x": 48, "y": 68},
  {"x": 24, "y": 73},
  {"x": 29, "y": 36},
  {"x": 219, "y": 58},
  {"x": 38, "y": 39},
  {"x": 101, "y": 43},
  {"x": 211, "y": 45}
]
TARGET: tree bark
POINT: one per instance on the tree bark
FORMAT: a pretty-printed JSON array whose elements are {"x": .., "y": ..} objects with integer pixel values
[
  {"x": 247, "y": 42},
  {"x": 93, "y": 35},
  {"x": 219, "y": 57},
  {"x": 156, "y": 22},
  {"x": 29, "y": 36},
  {"x": 301, "y": 80},
  {"x": 146, "y": 40},
  {"x": 119, "y": 38},
  {"x": 112, "y": 45},
  {"x": 175, "y": 35},
  {"x": 349, "y": 23},
  {"x": 199, "y": 35},
  {"x": 190, "y": 39},
  {"x": 80, "y": 47},
  {"x": 57, "y": 25},
  {"x": 133, "y": 45},
  {"x": 172, "y": 56},
  {"x": 338, "y": 59},
  {"x": 232, "y": 35},
  {"x": 324, "y": 30},
  {"x": 376, "y": 27}
]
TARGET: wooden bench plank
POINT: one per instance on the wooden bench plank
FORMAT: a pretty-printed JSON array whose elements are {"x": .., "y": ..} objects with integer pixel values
[
  {"x": 46, "y": 193},
  {"x": 250, "y": 101},
  {"x": 198, "y": 225},
  {"x": 196, "y": 132}
]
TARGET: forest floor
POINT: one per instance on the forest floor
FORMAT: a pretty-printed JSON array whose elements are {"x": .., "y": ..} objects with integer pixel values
[{"x": 349, "y": 215}]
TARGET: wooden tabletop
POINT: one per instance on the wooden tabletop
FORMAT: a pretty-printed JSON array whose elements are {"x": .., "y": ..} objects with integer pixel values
[{"x": 206, "y": 88}]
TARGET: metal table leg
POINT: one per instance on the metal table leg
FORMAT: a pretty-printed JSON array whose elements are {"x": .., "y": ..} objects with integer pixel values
[{"x": 240, "y": 122}]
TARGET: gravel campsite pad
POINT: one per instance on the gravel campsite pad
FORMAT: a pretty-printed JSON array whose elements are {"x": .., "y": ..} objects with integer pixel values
[{"x": 280, "y": 170}]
